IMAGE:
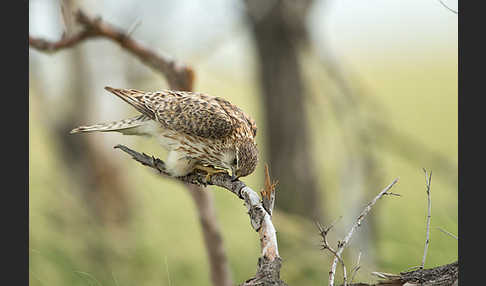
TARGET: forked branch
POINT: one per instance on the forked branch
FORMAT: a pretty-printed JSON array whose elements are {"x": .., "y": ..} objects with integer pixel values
[{"x": 343, "y": 243}]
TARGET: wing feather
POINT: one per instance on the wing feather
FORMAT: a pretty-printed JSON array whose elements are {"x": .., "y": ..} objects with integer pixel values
[{"x": 192, "y": 113}]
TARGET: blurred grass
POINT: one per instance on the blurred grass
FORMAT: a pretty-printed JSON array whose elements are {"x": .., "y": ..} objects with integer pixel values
[{"x": 68, "y": 247}]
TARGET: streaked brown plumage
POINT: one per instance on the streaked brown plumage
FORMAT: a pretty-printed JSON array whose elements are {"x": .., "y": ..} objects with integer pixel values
[{"x": 197, "y": 129}]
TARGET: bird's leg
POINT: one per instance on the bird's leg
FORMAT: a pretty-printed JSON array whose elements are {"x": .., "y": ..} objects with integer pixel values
[{"x": 209, "y": 170}]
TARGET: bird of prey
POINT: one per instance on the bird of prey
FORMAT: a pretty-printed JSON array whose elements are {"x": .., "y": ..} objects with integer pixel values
[{"x": 198, "y": 130}]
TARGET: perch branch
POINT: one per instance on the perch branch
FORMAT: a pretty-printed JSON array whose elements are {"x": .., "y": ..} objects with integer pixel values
[
  {"x": 260, "y": 219},
  {"x": 179, "y": 76},
  {"x": 342, "y": 244}
]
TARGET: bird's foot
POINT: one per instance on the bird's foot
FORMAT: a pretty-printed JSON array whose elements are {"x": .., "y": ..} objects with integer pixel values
[{"x": 210, "y": 171}]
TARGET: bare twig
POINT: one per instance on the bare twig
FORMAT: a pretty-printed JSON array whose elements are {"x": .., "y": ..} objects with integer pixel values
[
  {"x": 325, "y": 244},
  {"x": 179, "y": 76},
  {"x": 134, "y": 26},
  {"x": 356, "y": 268},
  {"x": 429, "y": 209},
  {"x": 414, "y": 267},
  {"x": 260, "y": 219},
  {"x": 447, "y": 7},
  {"x": 342, "y": 244},
  {"x": 448, "y": 233}
]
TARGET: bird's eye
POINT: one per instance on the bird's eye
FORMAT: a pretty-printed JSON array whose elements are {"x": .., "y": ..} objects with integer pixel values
[{"x": 235, "y": 161}]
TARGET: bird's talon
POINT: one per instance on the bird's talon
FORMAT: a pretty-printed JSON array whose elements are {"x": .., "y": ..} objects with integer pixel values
[{"x": 210, "y": 171}]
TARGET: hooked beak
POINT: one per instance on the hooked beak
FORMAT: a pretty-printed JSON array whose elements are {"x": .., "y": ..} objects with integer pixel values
[{"x": 234, "y": 176}]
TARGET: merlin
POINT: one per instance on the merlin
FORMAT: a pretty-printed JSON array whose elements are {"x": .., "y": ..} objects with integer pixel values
[{"x": 199, "y": 131}]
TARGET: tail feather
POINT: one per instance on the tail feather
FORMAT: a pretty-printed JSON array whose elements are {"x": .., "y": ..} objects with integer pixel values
[{"x": 126, "y": 126}]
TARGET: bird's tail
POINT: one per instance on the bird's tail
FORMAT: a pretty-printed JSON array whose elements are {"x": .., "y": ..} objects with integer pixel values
[{"x": 129, "y": 126}]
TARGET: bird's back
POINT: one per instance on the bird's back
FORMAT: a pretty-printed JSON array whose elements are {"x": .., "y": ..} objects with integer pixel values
[{"x": 193, "y": 113}]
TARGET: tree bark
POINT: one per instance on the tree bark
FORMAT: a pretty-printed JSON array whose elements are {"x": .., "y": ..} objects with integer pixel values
[
  {"x": 278, "y": 31},
  {"x": 444, "y": 275}
]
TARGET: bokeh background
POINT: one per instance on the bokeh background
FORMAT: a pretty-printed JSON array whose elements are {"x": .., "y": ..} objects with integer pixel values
[{"x": 347, "y": 95}]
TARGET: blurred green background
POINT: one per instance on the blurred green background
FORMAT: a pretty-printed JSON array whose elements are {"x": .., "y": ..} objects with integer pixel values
[{"x": 401, "y": 59}]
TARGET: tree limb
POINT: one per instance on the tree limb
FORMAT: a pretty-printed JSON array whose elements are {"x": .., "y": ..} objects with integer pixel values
[
  {"x": 269, "y": 263},
  {"x": 179, "y": 76}
]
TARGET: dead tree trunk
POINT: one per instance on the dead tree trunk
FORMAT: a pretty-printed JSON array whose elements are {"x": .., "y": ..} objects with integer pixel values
[{"x": 278, "y": 32}]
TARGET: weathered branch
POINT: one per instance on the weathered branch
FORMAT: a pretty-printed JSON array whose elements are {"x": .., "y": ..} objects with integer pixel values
[
  {"x": 342, "y": 244},
  {"x": 179, "y": 76},
  {"x": 443, "y": 275},
  {"x": 269, "y": 262}
]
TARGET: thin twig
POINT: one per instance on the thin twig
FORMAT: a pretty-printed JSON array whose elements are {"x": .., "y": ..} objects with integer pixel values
[
  {"x": 413, "y": 267},
  {"x": 448, "y": 233},
  {"x": 429, "y": 209},
  {"x": 447, "y": 7},
  {"x": 134, "y": 26},
  {"x": 356, "y": 268},
  {"x": 325, "y": 244},
  {"x": 343, "y": 243}
]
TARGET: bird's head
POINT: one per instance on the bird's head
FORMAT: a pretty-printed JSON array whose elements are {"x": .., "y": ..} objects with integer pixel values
[{"x": 242, "y": 160}]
